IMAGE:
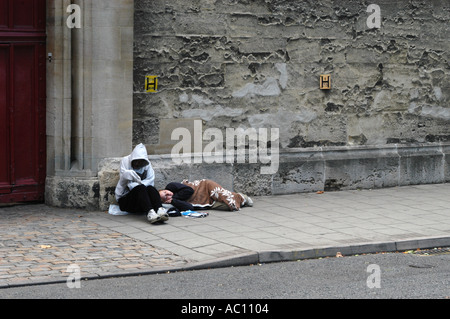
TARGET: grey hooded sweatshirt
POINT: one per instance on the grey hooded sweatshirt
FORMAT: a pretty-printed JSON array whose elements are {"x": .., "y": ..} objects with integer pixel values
[{"x": 124, "y": 186}]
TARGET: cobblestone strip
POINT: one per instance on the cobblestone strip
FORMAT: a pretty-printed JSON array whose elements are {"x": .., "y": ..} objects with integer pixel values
[{"x": 38, "y": 243}]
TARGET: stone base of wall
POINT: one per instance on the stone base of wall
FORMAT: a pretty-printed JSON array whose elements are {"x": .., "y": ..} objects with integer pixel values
[
  {"x": 72, "y": 192},
  {"x": 300, "y": 170}
]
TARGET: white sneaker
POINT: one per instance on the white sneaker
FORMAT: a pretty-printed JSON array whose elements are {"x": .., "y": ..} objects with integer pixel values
[
  {"x": 152, "y": 217},
  {"x": 162, "y": 214},
  {"x": 247, "y": 200}
]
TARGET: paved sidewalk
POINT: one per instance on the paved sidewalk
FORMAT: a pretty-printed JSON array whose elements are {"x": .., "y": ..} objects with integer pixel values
[{"x": 38, "y": 242}]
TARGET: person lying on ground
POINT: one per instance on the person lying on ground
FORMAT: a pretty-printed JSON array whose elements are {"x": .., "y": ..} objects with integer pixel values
[
  {"x": 202, "y": 194},
  {"x": 135, "y": 191}
]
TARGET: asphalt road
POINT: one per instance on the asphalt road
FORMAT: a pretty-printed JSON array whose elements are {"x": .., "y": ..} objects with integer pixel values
[{"x": 377, "y": 276}]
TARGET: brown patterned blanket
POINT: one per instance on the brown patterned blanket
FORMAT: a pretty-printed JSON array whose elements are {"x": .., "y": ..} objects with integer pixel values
[{"x": 206, "y": 192}]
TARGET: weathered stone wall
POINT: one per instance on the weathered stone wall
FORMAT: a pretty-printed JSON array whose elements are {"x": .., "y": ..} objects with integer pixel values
[
  {"x": 256, "y": 63},
  {"x": 249, "y": 64}
]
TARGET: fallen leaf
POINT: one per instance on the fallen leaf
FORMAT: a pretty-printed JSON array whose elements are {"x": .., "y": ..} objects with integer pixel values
[
  {"x": 320, "y": 192},
  {"x": 338, "y": 254}
]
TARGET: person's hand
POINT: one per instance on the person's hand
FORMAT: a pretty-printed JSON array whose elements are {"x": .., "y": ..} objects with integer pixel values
[{"x": 131, "y": 175}]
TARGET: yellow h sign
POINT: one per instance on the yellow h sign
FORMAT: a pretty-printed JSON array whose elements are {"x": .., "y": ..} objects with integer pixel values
[
  {"x": 151, "y": 83},
  {"x": 325, "y": 82}
]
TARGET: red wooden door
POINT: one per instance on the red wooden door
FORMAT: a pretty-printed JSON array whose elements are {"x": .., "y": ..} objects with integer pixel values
[{"x": 22, "y": 100}]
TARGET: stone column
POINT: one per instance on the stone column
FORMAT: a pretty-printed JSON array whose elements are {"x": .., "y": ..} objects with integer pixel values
[{"x": 89, "y": 111}]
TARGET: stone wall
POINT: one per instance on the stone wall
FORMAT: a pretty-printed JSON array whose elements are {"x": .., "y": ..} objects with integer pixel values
[{"x": 257, "y": 64}]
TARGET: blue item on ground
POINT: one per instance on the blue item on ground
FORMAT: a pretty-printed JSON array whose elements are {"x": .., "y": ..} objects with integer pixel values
[{"x": 194, "y": 214}]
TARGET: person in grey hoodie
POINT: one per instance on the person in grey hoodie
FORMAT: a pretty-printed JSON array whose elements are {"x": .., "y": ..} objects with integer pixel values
[{"x": 135, "y": 191}]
